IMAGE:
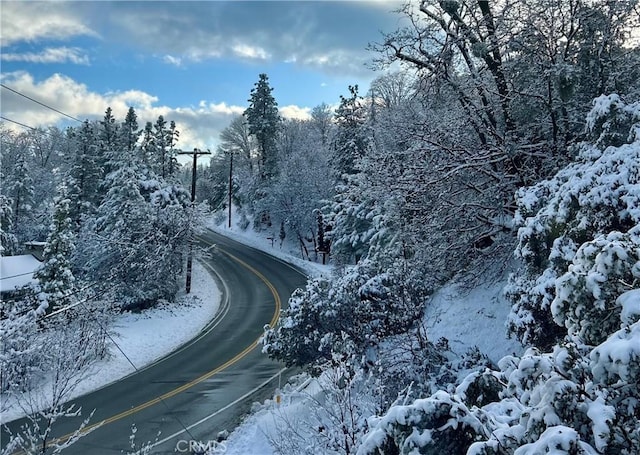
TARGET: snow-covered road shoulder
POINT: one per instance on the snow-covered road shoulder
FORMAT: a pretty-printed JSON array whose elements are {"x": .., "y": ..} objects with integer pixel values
[{"x": 140, "y": 339}]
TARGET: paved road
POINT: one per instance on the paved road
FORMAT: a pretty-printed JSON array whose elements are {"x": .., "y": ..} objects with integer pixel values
[{"x": 207, "y": 379}]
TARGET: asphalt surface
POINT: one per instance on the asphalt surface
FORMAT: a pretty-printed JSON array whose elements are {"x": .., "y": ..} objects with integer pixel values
[{"x": 208, "y": 385}]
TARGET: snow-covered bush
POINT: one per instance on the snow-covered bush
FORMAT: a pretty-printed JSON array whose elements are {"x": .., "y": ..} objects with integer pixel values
[
  {"x": 357, "y": 310},
  {"x": 574, "y": 400},
  {"x": 440, "y": 424},
  {"x": 596, "y": 195},
  {"x": 586, "y": 294}
]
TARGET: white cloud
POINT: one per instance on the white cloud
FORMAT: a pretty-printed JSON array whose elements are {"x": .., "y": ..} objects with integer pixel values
[
  {"x": 35, "y": 21},
  {"x": 295, "y": 112},
  {"x": 199, "y": 125},
  {"x": 253, "y": 52},
  {"x": 49, "y": 55},
  {"x": 326, "y": 36},
  {"x": 171, "y": 60}
]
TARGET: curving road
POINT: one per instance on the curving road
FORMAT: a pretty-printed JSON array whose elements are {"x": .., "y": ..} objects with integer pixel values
[{"x": 207, "y": 385}]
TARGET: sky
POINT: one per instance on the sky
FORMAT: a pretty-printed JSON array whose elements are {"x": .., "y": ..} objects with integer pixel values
[{"x": 194, "y": 62}]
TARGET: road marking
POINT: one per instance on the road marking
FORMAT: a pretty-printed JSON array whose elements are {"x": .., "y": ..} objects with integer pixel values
[
  {"x": 204, "y": 419},
  {"x": 227, "y": 364}
]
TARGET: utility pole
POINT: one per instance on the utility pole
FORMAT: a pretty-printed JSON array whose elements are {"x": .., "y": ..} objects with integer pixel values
[{"x": 196, "y": 153}]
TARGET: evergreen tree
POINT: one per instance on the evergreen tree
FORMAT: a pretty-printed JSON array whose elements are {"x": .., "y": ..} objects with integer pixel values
[
  {"x": 161, "y": 140},
  {"x": 21, "y": 191},
  {"x": 264, "y": 120},
  {"x": 55, "y": 277},
  {"x": 138, "y": 240},
  {"x": 129, "y": 131},
  {"x": 108, "y": 138},
  {"x": 173, "y": 135},
  {"x": 350, "y": 142},
  {"x": 148, "y": 146},
  {"x": 85, "y": 174},
  {"x": 8, "y": 241}
]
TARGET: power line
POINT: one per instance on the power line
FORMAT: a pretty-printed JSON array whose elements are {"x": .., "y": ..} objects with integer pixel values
[
  {"x": 18, "y": 123},
  {"x": 40, "y": 103}
]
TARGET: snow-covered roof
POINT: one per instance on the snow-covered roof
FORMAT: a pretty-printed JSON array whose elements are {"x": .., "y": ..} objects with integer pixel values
[{"x": 17, "y": 271}]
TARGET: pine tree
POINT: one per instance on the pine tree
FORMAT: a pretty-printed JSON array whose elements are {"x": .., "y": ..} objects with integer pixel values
[
  {"x": 55, "y": 275},
  {"x": 173, "y": 135},
  {"x": 264, "y": 120},
  {"x": 350, "y": 142},
  {"x": 148, "y": 146},
  {"x": 161, "y": 136},
  {"x": 129, "y": 131},
  {"x": 85, "y": 175},
  {"x": 8, "y": 241},
  {"x": 108, "y": 137},
  {"x": 21, "y": 189}
]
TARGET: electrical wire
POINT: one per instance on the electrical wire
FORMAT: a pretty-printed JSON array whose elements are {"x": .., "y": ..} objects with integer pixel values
[
  {"x": 33, "y": 128},
  {"x": 18, "y": 123},
  {"x": 40, "y": 103}
]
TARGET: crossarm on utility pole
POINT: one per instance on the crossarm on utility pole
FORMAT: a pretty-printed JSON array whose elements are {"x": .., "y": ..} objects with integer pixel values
[{"x": 196, "y": 153}]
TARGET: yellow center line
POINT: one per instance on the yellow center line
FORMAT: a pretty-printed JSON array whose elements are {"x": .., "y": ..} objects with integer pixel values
[{"x": 198, "y": 380}]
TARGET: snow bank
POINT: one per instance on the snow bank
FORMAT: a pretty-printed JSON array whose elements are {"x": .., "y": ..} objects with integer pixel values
[
  {"x": 472, "y": 317},
  {"x": 147, "y": 337}
]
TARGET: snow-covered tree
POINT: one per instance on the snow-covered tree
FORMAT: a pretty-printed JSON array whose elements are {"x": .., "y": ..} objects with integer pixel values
[
  {"x": 46, "y": 361},
  {"x": 594, "y": 200},
  {"x": 8, "y": 240},
  {"x": 55, "y": 276},
  {"x": 264, "y": 120},
  {"x": 21, "y": 190},
  {"x": 354, "y": 312},
  {"x": 137, "y": 242},
  {"x": 129, "y": 132},
  {"x": 85, "y": 175},
  {"x": 580, "y": 243},
  {"x": 301, "y": 185}
]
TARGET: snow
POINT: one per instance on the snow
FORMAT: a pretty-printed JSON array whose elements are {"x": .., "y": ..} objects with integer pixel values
[
  {"x": 466, "y": 317},
  {"x": 268, "y": 242},
  {"x": 17, "y": 271},
  {"x": 472, "y": 317},
  {"x": 557, "y": 440},
  {"x": 149, "y": 336},
  {"x": 630, "y": 303}
]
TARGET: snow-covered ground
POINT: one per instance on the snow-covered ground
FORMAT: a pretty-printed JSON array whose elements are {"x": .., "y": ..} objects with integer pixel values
[
  {"x": 466, "y": 317},
  {"x": 287, "y": 251},
  {"x": 472, "y": 317},
  {"x": 148, "y": 336}
]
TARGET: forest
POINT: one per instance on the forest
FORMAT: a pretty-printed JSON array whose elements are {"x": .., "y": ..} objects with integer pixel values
[{"x": 494, "y": 132}]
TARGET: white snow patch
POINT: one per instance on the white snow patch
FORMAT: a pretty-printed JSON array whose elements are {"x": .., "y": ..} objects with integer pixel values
[
  {"x": 474, "y": 317},
  {"x": 630, "y": 303}
]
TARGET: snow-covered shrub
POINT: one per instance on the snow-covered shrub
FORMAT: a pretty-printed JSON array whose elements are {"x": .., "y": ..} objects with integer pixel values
[
  {"x": 586, "y": 295},
  {"x": 440, "y": 424},
  {"x": 357, "y": 310},
  {"x": 612, "y": 122},
  {"x": 558, "y": 440},
  {"x": 574, "y": 400},
  {"x": 590, "y": 198}
]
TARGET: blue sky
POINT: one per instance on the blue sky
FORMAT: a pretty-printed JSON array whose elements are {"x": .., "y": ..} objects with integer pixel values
[{"x": 192, "y": 62}]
